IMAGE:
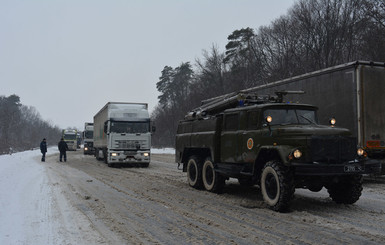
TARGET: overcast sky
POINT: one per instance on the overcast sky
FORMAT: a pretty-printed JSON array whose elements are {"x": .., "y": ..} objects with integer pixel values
[{"x": 68, "y": 58}]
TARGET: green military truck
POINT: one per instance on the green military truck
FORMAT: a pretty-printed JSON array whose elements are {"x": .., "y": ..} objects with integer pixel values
[{"x": 279, "y": 146}]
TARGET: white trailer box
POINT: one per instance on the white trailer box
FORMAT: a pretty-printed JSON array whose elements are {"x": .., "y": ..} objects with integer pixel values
[{"x": 122, "y": 133}]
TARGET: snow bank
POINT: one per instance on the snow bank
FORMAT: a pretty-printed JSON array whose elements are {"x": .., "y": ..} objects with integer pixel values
[
  {"x": 32, "y": 210},
  {"x": 163, "y": 151}
]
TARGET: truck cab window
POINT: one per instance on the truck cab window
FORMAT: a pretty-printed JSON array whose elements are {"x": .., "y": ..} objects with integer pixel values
[
  {"x": 291, "y": 116},
  {"x": 130, "y": 127}
]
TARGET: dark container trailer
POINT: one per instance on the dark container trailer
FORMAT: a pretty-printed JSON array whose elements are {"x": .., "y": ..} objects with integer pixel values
[{"x": 354, "y": 93}]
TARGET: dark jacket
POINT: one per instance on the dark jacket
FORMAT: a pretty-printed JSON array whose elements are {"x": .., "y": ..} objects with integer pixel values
[
  {"x": 43, "y": 146},
  {"x": 63, "y": 147}
]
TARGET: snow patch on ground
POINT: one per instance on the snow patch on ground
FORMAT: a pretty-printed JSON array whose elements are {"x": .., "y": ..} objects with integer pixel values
[
  {"x": 32, "y": 208},
  {"x": 163, "y": 151}
]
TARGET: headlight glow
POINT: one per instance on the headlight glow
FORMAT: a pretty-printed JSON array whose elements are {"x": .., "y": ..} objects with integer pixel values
[
  {"x": 360, "y": 152},
  {"x": 269, "y": 119},
  {"x": 114, "y": 154},
  {"x": 146, "y": 154},
  {"x": 332, "y": 121},
  {"x": 297, "y": 154}
]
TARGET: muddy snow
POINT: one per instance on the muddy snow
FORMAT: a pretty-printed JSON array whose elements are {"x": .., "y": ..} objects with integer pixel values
[{"x": 82, "y": 201}]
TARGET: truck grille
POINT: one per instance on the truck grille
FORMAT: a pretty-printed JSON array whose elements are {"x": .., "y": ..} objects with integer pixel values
[
  {"x": 130, "y": 144},
  {"x": 333, "y": 149}
]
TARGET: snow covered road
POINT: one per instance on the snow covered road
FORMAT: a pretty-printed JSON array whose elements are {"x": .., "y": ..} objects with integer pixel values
[
  {"x": 31, "y": 209},
  {"x": 83, "y": 201}
]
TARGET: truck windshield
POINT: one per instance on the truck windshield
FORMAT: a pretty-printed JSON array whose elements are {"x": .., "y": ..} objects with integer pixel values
[
  {"x": 130, "y": 127},
  {"x": 69, "y": 136},
  {"x": 89, "y": 134},
  {"x": 291, "y": 116}
]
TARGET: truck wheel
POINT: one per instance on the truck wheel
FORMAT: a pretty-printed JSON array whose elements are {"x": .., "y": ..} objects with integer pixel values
[
  {"x": 212, "y": 181},
  {"x": 96, "y": 154},
  {"x": 194, "y": 172},
  {"x": 347, "y": 191},
  {"x": 277, "y": 186},
  {"x": 105, "y": 157}
]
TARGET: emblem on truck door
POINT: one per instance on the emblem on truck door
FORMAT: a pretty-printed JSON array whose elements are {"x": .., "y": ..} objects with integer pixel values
[{"x": 250, "y": 143}]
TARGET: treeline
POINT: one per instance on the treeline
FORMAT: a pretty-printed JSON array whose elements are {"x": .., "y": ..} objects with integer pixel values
[
  {"x": 21, "y": 127},
  {"x": 313, "y": 35}
]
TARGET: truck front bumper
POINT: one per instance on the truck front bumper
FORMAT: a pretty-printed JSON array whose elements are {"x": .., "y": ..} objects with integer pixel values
[
  {"x": 368, "y": 166},
  {"x": 129, "y": 156}
]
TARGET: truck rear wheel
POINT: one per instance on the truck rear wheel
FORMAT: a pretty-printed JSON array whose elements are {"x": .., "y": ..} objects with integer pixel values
[
  {"x": 347, "y": 191},
  {"x": 212, "y": 181},
  {"x": 194, "y": 172},
  {"x": 277, "y": 186}
]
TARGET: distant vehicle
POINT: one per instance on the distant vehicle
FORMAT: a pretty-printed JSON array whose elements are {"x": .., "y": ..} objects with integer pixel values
[
  {"x": 70, "y": 137},
  {"x": 352, "y": 92},
  {"x": 266, "y": 141},
  {"x": 88, "y": 139},
  {"x": 78, "y": 140},
  {"x": 122, "y": 134}
]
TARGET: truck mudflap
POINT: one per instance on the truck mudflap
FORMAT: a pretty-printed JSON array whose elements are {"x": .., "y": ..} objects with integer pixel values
[{"x": 369, "y": 166}]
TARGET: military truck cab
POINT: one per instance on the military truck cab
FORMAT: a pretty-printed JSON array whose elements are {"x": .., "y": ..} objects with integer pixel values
[{"x": 278, "y": 146}]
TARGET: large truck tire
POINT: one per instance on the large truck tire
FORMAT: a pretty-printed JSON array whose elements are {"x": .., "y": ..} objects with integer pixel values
[
  {"x": 194, "y": 172},
  {"x": 96, "y": 154},
  {"x": 277, "y": 186},
  {"x": 212, "y": 181},
  {"x": 347, "y": 191}
]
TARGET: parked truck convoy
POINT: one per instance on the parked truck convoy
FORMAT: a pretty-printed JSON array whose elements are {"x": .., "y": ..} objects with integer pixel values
[
  {"x": 352, "y": 92},
  {"x": 70, "y": 137},
  {"x": 267, "y": 141},
  {"x": 88, "y": 139},
  {"x": 122, "y": 134}
]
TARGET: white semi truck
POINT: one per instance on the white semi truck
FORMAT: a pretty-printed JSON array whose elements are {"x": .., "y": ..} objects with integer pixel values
[
  {"x": 122, "y": 134},
  {"x": 70, "y": 137}
]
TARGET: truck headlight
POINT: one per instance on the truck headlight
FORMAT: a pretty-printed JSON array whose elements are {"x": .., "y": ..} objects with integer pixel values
[
  {"x": 114, "y": 154},
  {"x": 146, "y": 154},
  {"x": 297, "y": 154},
  {"x": 332, "y": 121},
  {"x": 269, "y": 119},
  {"x": 361, "y": 152}
]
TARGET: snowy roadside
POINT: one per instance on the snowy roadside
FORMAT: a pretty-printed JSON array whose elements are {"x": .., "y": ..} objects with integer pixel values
[
  {"x": 33, "y": 211},
  {"x": 163, "y": 151}
]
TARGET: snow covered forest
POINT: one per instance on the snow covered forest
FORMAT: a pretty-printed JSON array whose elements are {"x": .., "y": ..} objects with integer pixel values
[
  {"x": 314, "y": 34},
  {"x": 21, "y": 127}
]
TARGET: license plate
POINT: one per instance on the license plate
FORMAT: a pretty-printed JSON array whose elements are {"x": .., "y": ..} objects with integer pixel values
[{"x": 353, "y": 168}]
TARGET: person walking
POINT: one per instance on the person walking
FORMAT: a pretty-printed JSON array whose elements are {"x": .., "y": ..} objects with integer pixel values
[
  {"x": 63, "y": 147},
  {"x": 43, "y": 149}
]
